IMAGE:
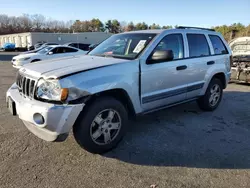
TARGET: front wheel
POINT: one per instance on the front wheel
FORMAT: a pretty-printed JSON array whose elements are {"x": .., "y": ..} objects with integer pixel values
[
  {"x": 101, "y": 126},
  {"x": 212, "y": 98}
]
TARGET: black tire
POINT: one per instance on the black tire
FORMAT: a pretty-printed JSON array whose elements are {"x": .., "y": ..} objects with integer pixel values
[
  {"x": 83, "y": 126},
  {"x": 204, "y": 103}
]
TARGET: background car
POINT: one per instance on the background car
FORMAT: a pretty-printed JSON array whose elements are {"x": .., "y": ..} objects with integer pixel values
[
  {"x": 241, "y": 59},
  {"x": 49, "y": 52},
  {"x": 84, "y": 47},
  {"x": 37, "y": 45},
  {"x": 9, "y": 47},
  {"x": 49, "y": 44},
  {"x": 36, "y": 49}
]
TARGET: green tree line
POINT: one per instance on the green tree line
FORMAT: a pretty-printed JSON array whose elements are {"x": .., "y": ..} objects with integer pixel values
[{"x": 39, "y": 23}]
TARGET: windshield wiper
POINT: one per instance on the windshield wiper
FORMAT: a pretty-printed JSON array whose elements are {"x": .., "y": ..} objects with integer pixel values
[{"x": 102, "y": 55}]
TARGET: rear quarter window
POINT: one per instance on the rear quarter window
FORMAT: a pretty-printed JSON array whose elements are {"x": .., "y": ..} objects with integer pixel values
[
  {"x": 198, "y": 45},
  {"x": 218, "y": 45}
]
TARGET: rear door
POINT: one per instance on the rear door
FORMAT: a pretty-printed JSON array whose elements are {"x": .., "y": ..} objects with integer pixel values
[
  {"x": 205, "y": 52},
  {"x": 198, "y": 62}
]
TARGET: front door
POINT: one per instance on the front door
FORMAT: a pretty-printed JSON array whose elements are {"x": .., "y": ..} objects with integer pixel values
[{"x": 165, "y": 83}]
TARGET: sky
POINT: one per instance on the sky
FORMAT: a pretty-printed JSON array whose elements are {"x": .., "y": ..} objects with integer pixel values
[{"x": 203, "y": 13}]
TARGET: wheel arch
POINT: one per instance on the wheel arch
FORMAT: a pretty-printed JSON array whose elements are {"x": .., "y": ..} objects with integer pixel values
[
  {"x": 119, "y": 94},
  {"x": 222, "y": 77},
  {"x": 219, "y": 75},
  {"x": 35, "y": 60}
]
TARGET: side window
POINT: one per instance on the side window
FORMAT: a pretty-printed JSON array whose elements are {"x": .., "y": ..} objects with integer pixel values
[
  {"x": 172, "y": 42},
  {"x": 76, "y": 45},
  {"x": 84, "y": 47},
  {"x": 56, "y": 50},
  {"x": 198, "y": 45},
  {"x": 218, "y": 45},
  {"x": 68, "y": 50}
]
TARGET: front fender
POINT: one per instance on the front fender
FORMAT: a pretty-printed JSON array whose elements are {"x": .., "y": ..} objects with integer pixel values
[{"x": 120, "y": 76}]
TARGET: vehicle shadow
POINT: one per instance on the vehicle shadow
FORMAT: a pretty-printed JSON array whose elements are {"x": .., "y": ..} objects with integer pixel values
[{"x": 185, "y": 136}]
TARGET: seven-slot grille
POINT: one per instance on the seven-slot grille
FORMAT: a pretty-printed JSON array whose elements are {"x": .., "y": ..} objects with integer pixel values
[{"x": 26, "y": 85}]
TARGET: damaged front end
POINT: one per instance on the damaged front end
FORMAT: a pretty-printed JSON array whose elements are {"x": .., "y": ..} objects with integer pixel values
[{"x": 240, "y": 70}]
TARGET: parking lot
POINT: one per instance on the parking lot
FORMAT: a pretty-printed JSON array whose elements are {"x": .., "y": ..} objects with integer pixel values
[
  {"x": 178, "y": 147},
  {"x": 7, "y": 56}
]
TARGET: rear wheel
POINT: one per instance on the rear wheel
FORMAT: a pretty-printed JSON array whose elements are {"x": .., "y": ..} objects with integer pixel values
[
  {"x": 101, "y": 126},
  {"x": 212, "y": 98}
]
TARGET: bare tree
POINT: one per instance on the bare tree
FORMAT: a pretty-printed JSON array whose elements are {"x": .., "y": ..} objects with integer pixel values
[
  {"x": 25, "y": 22},
  {"x": 38, "y": 21},
  {"x": 4, "y": 23}
]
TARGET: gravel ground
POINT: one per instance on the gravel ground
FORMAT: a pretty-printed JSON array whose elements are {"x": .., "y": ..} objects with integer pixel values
[{"x": 178, "y": 147}]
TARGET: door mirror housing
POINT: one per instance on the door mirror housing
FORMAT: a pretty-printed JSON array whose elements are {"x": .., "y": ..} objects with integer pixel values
[
  {"x": 50, "y": 53},
  {"x": 159, "y": 56}
]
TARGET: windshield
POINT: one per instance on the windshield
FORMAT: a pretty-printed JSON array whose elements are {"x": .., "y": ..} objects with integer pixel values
[
  {"x": 38, "y": 49},
  {"x": 44, "y": 50},
  {"x": 127, "y": 46}
]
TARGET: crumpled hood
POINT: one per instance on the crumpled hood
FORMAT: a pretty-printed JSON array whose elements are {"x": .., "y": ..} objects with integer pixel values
[
  {"x": 59, "y": 67},
  {"x": 240, "y": 46}
]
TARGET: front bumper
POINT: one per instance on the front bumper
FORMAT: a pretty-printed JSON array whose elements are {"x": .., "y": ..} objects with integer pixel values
[{"x": 58, "y": 119}]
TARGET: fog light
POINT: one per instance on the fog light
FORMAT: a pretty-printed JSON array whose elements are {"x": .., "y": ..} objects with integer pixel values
[{"x": 38, "y": 118}]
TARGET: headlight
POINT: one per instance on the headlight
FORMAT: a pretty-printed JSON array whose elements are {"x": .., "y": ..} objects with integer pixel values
[
  {"x": 24, "y": 59},
  {"x": 51, "y": 90}
]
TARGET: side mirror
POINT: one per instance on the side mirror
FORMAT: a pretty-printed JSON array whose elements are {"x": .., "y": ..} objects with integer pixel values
[
  {"x": 161, "y": 56},
  {"x": 50, "y": 53}
]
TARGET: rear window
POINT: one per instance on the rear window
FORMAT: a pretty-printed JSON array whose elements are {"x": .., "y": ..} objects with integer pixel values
[
  {"x": 84, "y": 47},
  {"x": 218, "y": 45},
  {"x": 73, "y": 45},
  {"x": 198, "y": 46}
]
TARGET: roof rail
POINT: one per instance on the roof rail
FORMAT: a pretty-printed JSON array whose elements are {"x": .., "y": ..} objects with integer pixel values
[{"x": 186, "y": 27}]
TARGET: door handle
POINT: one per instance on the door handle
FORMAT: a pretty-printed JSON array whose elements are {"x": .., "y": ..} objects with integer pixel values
[
  {"x": 210, "y": 62},
  {"x": 183, "y": 67}
]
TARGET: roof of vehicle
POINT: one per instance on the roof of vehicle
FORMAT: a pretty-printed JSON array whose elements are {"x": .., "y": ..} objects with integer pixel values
[
  {"x": 69, "y": 47},
  {"x": 53, "y": 46},
  {"x": 158, "y": 31},
  {"x": 74, "y": 43}
]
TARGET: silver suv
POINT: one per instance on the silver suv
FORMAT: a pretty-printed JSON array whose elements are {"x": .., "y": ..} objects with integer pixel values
[{"x": 128, "y": 74}]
